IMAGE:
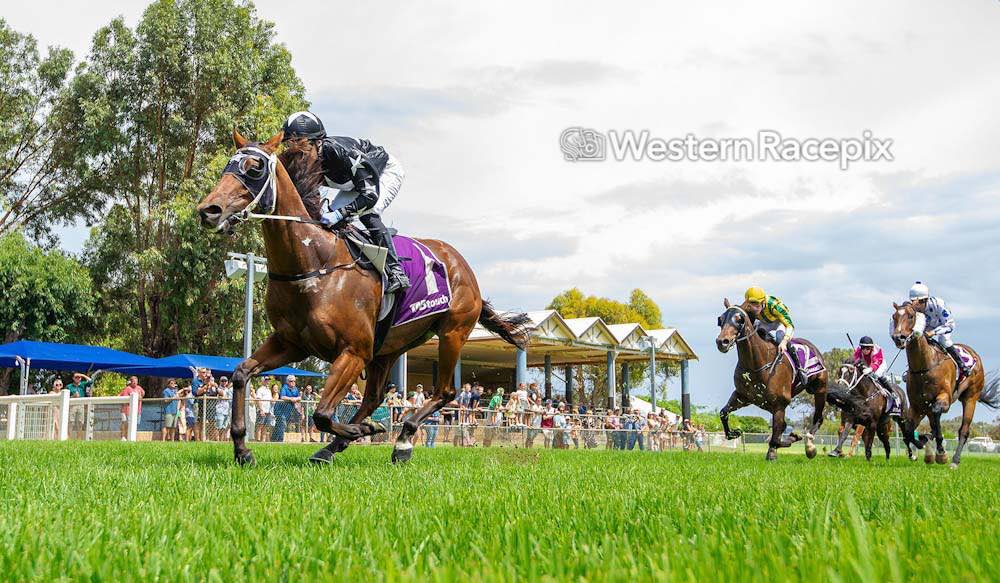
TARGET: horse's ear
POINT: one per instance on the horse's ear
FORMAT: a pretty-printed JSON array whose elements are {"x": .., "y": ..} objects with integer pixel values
[
  {"x": 895, "y": 305},
  {"x": 725, "y": 302},
  {"x": 239, "y": 140},
  {"x": 272, "y": 144}
]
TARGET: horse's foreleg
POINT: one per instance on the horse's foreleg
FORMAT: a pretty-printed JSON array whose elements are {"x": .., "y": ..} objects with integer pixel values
[
  {"x": 968, "y": 411},
  {"x": 883, "y": 435},
  {"x": 734, "y": 403},
  {"x": 845, "y": 427},
  {"x": 777, "y": 429},
  {"x": 273, "y": 353},
  {"x": 907, "y": 435},
  {"x": 869, "y": 437},
  {"x": 374, "y": 394},
  {"x": 855, "y": 439},
  {"x": 344, "y": 371},
  {"x": 941, "y": 457}
]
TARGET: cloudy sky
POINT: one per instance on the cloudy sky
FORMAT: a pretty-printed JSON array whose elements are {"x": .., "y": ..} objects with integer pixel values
[{"x": 472, "y": 99}]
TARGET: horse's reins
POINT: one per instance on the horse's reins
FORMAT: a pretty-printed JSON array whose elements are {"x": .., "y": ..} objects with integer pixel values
[
  {"x": 746, "y": 336},
  {"x": 263, "y": 181}
]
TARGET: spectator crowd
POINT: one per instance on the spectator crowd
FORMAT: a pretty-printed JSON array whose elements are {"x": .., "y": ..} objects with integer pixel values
[{"x": 201, "y": 410}]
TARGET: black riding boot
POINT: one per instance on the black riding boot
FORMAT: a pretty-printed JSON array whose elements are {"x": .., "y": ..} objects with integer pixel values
[
  {"x": 397, "y": 279},
  {"x": 953, "y": 352}
]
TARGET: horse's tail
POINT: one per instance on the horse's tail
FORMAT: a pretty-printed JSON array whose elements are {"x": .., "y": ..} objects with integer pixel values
[
  {"x": 847, "y": 402},
  {"x": 513, "y": 327},
  {"x": 990, "y": 395}
]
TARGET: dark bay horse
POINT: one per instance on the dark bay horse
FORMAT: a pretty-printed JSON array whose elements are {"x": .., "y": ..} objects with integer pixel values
[
  {"x": 331, "y": 312},
  {"x": 861, "y": 399},
  {"x": 931, "y": 387},
  {"x": 765, "y": 380}
]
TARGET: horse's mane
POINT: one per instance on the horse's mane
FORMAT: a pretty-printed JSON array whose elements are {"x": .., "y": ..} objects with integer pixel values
[{"x": 305, "y": 168}]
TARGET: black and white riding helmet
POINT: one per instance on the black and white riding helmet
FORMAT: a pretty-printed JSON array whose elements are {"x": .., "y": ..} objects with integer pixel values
[
  {"x": 304, "y": 124},
  {"x": 866, "y": 341}
]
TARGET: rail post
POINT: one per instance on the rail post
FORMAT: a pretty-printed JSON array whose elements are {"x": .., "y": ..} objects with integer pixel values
[
  {"x": 64, "y": 415},
  {"x": 133, "y": 415},
  {"x": 11, "y": 421}
]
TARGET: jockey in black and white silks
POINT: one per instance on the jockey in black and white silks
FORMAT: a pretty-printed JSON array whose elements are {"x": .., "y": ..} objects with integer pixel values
[{"x": 357, "y": 165}]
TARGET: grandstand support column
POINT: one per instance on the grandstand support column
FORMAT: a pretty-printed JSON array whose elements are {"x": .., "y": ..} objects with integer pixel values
[
  {"x": 569, "y": 384},
  {"x": 64, "y": 415},
  {"x": 548, "y": 376},
  {"x": 612, "y": 385},
  {"x": 133, "y": 415},
  {"x": 626, "y": 386},
  {"x": 685, "y": 391},
  {"x": 521, "y": 369},
  {"x": 456, "y": 379},
  {"x": 399, "y": 374}
]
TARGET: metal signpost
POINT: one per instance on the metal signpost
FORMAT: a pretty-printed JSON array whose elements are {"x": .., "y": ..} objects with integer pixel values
[{"x": 237, "y": 265}]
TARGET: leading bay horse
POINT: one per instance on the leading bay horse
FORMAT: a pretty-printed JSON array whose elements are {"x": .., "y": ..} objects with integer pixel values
[
  {"x": 931, "y": 386},
  {"x": 329, "y": 310},
  {"x": 765, "y": 380}
]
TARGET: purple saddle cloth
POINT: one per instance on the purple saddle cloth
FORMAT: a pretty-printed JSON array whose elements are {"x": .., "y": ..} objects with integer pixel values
[
  {"x": 430, "y": 291},
  {"x": 807, "y": 358}
]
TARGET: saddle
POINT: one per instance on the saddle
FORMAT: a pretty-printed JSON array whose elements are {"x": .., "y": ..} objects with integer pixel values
[
  {"x": 805, "y": 361},
  {"x": 895, "y": 400},
  {"x": 430, "y": 288}
]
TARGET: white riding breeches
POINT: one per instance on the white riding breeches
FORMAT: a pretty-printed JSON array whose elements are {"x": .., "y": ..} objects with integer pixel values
[
  {"x": 389, "y": 183},
  {"x": 944, "y": 339},
  {"x": 772, "y": 329}
]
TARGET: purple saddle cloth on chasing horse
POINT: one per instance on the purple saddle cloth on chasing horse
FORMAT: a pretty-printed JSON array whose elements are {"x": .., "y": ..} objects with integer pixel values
[
  {"x": 430, "y": 291},
  {"x": 806, "y": 358}
]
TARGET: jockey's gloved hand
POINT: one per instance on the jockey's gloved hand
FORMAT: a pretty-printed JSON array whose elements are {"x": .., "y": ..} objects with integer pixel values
[
  {"x": 866, "y": 370},
  {"x": 334, "y": 218}
]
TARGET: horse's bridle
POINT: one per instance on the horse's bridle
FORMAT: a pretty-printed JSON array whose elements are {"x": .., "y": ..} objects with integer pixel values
[
  {"x": 741, "y": 328},
  {"x": 746, "y": 331}
]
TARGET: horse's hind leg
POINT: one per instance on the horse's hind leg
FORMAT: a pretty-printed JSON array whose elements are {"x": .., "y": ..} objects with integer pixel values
[
  {"x": 378, "y": 370},
  {"x": 449, "y": 350},
  {"x": 817, "y": 420},
  {"x": 942, "y": 456},
  {"x": 968, "y": 411},
  {"x": 869, "y": 437}
]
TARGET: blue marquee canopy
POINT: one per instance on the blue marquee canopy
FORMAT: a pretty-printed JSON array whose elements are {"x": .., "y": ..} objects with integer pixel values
[
  {"x": 180, "y": 365},
  {"x": 78, "y": 357}
]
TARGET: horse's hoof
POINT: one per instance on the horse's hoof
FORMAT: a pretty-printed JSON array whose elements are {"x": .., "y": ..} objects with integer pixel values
[
  {"x": 734, "y": 434},
  {"x": 953, "y": 465},
  {"x": 245, "y": 458},
  {"x": 374, "y": 427},
  {"x": 810, "y": 451},
  {"x": 793, "y": 437},
  {"x": 941, "y": 458},
  {"x": 771, "y": 456},
  {"x": 833, "y": 453},
  {"x": 929, "y": 460},
  {"x": 323, "y": 457},
  {"x": 912, "y": 456},
  {"x": 401, "y": 456}
]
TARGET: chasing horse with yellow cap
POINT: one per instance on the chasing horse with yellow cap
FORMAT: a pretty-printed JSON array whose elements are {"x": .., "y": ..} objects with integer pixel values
[{"x": 761, "y": 330}]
